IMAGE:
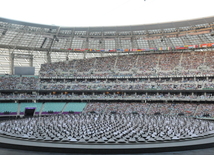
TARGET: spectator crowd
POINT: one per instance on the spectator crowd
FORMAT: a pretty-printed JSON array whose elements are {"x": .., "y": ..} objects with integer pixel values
[{"x": 182, "y": 64}]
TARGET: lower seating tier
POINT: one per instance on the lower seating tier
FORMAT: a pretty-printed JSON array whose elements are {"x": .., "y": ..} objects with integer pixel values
[{"x": 158, "y": 108}]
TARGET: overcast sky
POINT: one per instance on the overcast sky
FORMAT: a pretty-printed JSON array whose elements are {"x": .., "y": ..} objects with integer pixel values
[{"x": 104, "y": 12}]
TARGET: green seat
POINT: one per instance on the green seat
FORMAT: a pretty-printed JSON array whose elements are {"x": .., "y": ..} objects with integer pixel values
[
  {"x": 75, "y": 107},
  {"x": 11, "y": 107},
  {"x": 53, "y": 106}
]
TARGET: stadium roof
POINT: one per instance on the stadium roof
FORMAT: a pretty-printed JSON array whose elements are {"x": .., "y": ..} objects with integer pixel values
[{"x": 165, "y": 25}]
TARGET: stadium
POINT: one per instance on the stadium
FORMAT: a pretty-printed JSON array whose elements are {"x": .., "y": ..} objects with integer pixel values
[{"x": 108, "y": 89}]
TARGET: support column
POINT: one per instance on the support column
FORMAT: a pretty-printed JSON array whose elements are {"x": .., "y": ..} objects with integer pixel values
[
  {"x": 11, "y": 63},
  {"x": 48, "y": 57},
  {"x": 84, "y": 55},
  {"x": 31, "y": 62}
]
